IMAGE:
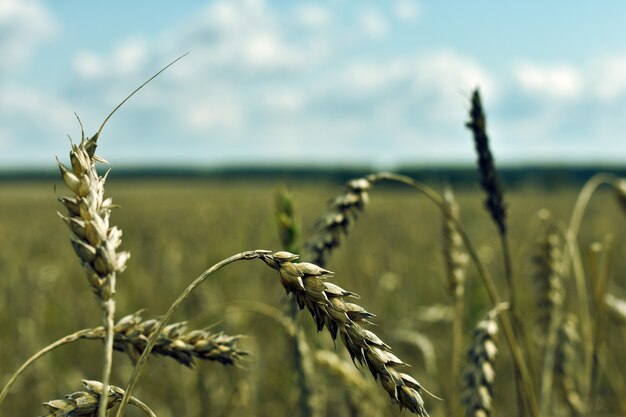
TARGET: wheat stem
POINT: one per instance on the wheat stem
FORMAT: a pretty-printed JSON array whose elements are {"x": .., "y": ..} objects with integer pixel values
[{"x": 108, "y": 314}]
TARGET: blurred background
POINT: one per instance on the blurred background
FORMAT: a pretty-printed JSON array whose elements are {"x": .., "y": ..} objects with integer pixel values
[{"x": 300, "y": 96}]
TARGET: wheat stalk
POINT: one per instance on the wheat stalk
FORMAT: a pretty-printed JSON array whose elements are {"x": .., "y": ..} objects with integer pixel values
[
  {"x": 455, "y": 260},
  {"x": 94, "y": 241},
  {"x": 550, "y": 298},
  {"x": 479, "y": 376},
  {"x": 494, "y": 203},
  {"x": 85, "y": 403}
]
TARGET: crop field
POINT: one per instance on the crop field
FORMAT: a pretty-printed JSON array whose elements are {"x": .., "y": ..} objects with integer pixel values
[{"x": 393, "y": 257}]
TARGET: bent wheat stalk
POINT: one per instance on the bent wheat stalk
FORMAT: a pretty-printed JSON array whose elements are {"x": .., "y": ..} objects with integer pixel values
[{"x": 325, "y": 302}]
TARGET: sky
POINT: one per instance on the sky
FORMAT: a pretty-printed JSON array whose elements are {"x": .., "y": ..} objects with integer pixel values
[{"x": 336, "y": 82}]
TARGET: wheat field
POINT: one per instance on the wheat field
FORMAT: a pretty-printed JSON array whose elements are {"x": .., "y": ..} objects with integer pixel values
[{"x": 176, "y": 229}]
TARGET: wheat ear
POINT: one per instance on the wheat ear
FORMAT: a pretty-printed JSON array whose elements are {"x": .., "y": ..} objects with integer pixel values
[
  {"x": 131, "y": 334},
  {"x": 567, "y": 363},
  {"x": 85, "y": 403},
  {"x": 479, "y": 376},
  {"x": 325, "y": 302},
  {"x": 489, "y": 177},
  {"x": 335, "y": 224},
  {"x": 95, "y": 241},
  {"x": 550, "y": 298},
  {"x": 548, "y": 278}
]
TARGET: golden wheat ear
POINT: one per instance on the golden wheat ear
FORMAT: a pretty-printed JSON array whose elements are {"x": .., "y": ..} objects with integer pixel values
[{"x": 91, "y": 143}]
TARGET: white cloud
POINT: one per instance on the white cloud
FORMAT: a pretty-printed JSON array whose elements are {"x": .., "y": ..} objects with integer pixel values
[
  {"x": 24, "y": 25},
  {"x": 128, "y": 57},
  {"x": 312, "y": 15},
  {"x": 6, "y": 139},
  {"x": 248, "y": 38},
  {"x": 454, "y": 73},
  {"x": 607, "y": 77},
  {"x": 406, "y": 10},
  {"x": 373, "y": 23},
  {"x": 263, "y": 50},
  {"x": 32, "y": 106},
  {"x": 552, "y": 81},
  {"x": 369, "y": 77},
  {"x": 217, "y": 115},
  {"x": 89, "y": 65},
  {"x": 302, "y": 79},
  {"x": 438, "y": 81},
  {"x": 284, "y": 101}
]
